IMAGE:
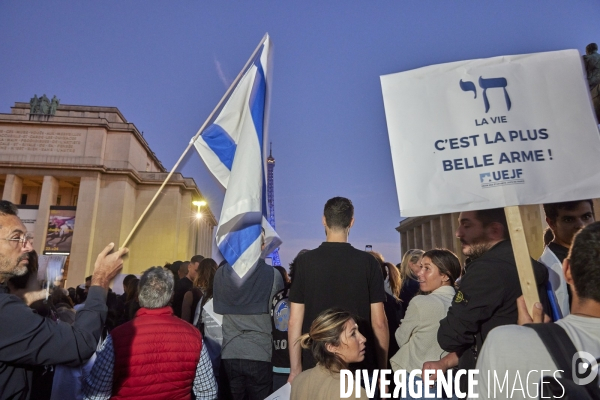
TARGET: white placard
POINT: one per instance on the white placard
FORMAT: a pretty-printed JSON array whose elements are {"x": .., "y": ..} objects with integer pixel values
[
  {"x": 211, "y": 311},
  {"x": 493, "y": 132},
  {"x": 283, "y": 393}
]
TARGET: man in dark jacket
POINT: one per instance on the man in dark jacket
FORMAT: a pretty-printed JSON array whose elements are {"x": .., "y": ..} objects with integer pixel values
[
  {"x": 488, "y": 289},
  {"x": 27, "y": 339}
]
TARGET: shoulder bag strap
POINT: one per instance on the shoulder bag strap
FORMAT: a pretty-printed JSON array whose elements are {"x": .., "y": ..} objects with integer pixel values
[{"x": 561, "y": 349}]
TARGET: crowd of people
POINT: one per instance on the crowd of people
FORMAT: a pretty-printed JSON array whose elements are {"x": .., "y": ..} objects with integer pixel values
[{"x": 194, "y": 329}]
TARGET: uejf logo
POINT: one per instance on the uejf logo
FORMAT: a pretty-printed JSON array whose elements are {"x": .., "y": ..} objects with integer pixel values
[
  {"x": 501, "y": 178},
  {"x": 485, "y": 177},
  {"x": 584, "y": 367},
  {"x": 485, "y": 84}
]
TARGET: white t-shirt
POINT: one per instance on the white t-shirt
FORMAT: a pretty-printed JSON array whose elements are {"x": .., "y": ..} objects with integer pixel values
[{"x": 520, "y": 351}]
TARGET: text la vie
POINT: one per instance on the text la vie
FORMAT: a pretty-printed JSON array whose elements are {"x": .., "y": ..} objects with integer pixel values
[{"x": 501, "y": 119}]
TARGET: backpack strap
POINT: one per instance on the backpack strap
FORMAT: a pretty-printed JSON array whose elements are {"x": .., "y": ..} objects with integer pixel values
[
  {"x": 558, "y": 343},
  {"x": 561, "y": 349}
]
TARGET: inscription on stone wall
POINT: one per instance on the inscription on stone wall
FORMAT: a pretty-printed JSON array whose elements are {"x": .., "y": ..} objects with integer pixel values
[{"x": 37, "y": 141}]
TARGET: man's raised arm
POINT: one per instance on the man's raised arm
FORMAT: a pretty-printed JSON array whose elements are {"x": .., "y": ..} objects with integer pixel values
[
  {"x": 379, "y": 324},
  {"x": 294, "y": 333}
]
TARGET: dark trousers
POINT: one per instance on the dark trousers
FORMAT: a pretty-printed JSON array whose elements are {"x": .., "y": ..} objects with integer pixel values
[
  {"x": 279, "y": 380},
  {"x": 247, "y": 379}
]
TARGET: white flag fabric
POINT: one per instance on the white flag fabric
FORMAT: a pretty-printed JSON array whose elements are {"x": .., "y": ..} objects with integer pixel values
[{"x": 234, "y": 149}]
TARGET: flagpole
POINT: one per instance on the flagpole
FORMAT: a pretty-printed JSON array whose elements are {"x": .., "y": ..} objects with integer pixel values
[{"x": 225, "y": 96}]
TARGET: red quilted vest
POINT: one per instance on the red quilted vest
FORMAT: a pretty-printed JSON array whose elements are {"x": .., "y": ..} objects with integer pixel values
[{"x": 156, "y": 355}]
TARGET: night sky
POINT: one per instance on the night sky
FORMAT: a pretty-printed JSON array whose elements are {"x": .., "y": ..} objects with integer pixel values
[{"x": 165, "y": 65}]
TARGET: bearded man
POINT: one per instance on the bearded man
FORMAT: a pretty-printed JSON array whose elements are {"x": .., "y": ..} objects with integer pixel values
[
  {"x": 488, "y": 289},
  {"x": 28, "y": 340}
]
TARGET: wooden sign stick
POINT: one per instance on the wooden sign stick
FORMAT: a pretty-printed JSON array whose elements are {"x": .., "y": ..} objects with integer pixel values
[{"x": 522, "y": 258}]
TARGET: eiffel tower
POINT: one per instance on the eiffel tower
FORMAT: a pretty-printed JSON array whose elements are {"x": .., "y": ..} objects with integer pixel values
[{"x": 271, "y": 201}]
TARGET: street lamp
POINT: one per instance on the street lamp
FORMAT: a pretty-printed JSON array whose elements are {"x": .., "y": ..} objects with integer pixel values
[{"x": 199, "y": 204}]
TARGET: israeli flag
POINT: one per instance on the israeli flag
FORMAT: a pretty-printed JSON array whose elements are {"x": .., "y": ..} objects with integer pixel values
[{"x": 234, "y": 148}]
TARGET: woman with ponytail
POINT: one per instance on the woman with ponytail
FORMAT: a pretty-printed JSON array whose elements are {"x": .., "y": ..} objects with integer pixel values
[{"x": 335, "y": 343}]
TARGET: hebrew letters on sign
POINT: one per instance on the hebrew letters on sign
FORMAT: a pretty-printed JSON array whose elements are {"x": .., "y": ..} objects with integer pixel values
[
  {"x": 468, "y": 86},
  {"x": 485, "y": 84}
]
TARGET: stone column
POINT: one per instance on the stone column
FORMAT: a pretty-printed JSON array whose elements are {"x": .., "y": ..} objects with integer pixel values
[
  {"x": 403, "y": 243},
  {"x": 436, "y": 233},
  {"x": 418, "y": 237},
  {"x": 81, "y": 263},
  {"x": 446, "y": 231},
  {"x": 456, "y": 246},
  {"x": 12, "y": 188},
  {"x": 410, "y": 240},
  {"x": 47, "y": 199},
  {"x": 206, "y": 238},
  {"x": 426, "y": 232},
  {"x": 211, "y": 235}
]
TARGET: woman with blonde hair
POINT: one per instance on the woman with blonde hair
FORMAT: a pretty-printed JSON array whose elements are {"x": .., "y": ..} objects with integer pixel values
[
  {"x": 335, "y": 343},
  {"x": 409, "y": 268}
]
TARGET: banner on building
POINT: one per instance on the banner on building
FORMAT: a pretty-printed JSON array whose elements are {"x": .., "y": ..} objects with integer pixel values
[
  {"x": 494, "y": 132},
  {"x": 28, "y": 216},
  {"x": 60, "y": 230}
]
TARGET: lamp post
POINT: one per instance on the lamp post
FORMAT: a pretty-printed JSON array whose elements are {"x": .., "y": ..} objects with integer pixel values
[{"x": 199, "y": 204}]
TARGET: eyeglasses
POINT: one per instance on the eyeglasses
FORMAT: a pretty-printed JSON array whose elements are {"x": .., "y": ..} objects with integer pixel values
[{"x": 23, "y": 240}]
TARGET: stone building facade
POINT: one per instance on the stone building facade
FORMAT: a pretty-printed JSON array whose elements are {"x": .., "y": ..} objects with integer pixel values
[{"x": 93, "y": 161}]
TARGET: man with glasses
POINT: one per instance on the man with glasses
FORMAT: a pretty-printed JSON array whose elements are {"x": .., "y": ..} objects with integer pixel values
[{"x": 28, "y": 340}]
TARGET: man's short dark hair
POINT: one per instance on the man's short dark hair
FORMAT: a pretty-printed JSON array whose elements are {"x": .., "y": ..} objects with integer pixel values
[
  {"x": 486, "y": 217},
  {"x": 585, "y": 262},
  {"x": 590, "y": 48},
  {"x": 8, "y": 208},
  {"x": 338, "y": 212},
  {"x": 551, "y": 209},
  {"x": 197, "y": 258},
  {"x": 89, "y": 278}
]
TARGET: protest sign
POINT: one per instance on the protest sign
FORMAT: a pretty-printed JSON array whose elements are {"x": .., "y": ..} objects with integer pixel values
[
  {"x": 490, "y": 133},
  {"x": 61, "y": 224}
]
